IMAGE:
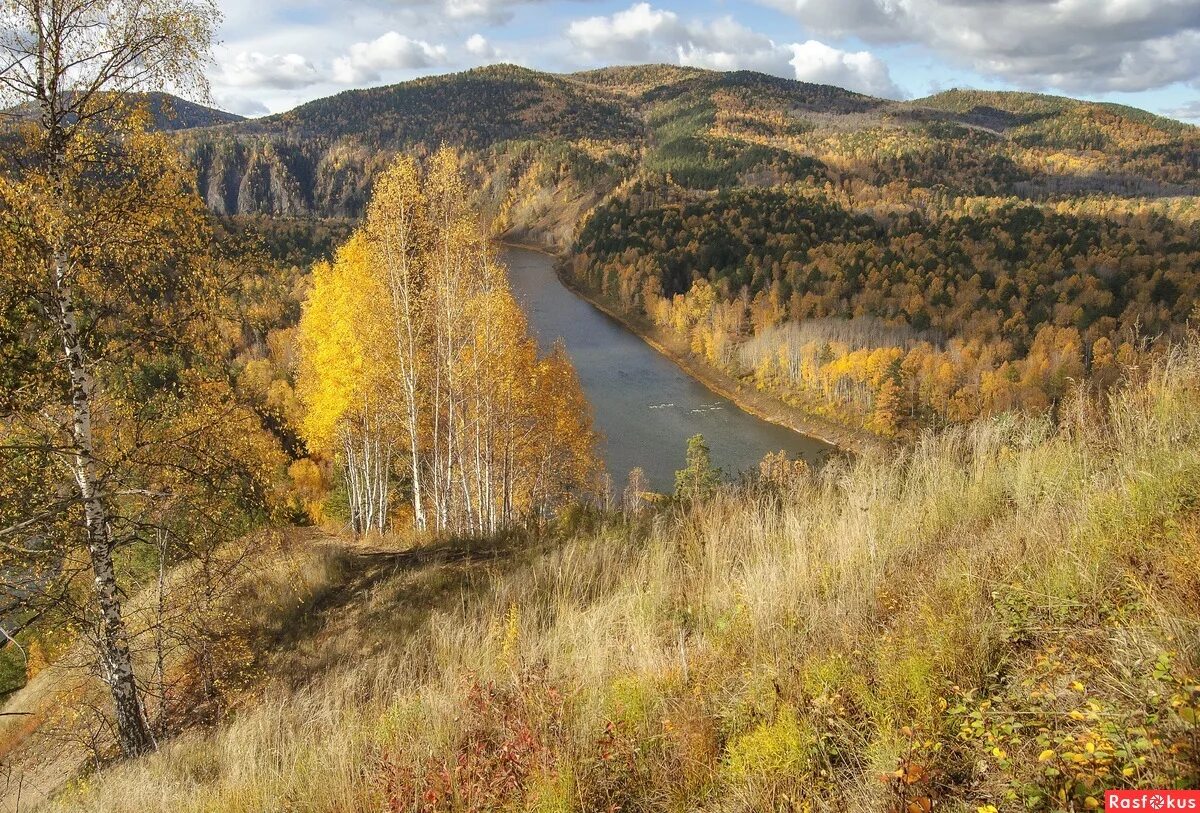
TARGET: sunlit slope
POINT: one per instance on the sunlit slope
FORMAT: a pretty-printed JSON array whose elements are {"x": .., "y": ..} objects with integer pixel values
[
  {"x": 1001, "y": 617},
  {"x": 534, "y": 131}
]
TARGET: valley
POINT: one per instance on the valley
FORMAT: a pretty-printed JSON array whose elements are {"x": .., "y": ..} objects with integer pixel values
[
  {"x": 645, "y": 406},
  {"x": 644, "y": 438},
  {"x": 881, "y": 267}
]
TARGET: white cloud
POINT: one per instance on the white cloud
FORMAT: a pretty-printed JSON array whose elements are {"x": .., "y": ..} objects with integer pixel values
[
  {"x": 626, "y": 34},
  {"x": 726, "y": 45},
  {"x": 366, "y": 61},
  {"x": 1075, "y": 45},
  {"x": 242, "y": 105},
  {"x": 493, "y": 11},
  {"x": 1188, "y": 111},
  {"x": 477, "y": 45},
  {"x": 642, "y": 33},
  {"x": 857, "y": 70},
  {"x": 255, "y": 69}
]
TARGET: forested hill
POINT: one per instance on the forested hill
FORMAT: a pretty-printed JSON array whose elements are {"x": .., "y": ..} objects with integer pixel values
[
  {"x": 473, "y": 109},
  {"x": 566, "y": 140},
  {"x": 583, "y": 132},
  {"x": 167, "y": 112},
  {"x": 515, "y": 125},
  {"x": 888, "y": 264},
  {"x": 173, "y": 113}
]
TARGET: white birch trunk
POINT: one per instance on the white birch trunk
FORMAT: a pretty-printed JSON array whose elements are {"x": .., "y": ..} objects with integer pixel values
[{"x": 116, "y": 664}]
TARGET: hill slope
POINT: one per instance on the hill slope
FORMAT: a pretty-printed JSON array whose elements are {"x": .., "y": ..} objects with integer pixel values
[
  {"x": 167, "y": 112},
  {"x": 889, "y": 265},
  {"x": 173, "y": 113},
  {"x": 589, "y": 129},
  {"x": 1001, "y": 617},
  {"x": 319, "y": 158}
]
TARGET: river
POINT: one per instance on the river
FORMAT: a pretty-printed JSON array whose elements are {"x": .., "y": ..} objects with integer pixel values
[{"x": 645, "y": 406}]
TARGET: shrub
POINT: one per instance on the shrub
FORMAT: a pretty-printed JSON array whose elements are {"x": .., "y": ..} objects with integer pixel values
[
  {"x": 503, "y": 755},
  {"x": 774, "y": 751}
]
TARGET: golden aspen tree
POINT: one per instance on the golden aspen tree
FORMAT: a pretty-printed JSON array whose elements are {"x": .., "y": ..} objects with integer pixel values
[
  {"x": 345, "y": 378},
  {"x": 449, "y": 259},
  {"x": 398, "y": 237},
  {"x": 888, "y": 409},
  {"x": 566, "y": 439},
  {"x": 412, "y": 342}
]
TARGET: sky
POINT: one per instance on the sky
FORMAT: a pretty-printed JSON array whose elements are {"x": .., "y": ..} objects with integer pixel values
[{"x": 276, "y": 54}]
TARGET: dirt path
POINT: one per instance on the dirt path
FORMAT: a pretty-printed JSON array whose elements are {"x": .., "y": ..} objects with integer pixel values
[{"x": 372, "y": 585}]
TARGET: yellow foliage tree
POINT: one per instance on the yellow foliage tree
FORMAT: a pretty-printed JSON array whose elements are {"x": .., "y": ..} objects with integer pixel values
[{"x": 413, "y": 348}]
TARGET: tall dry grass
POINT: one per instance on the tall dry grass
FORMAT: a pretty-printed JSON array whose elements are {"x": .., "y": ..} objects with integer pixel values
[{"x": 1001, "y": 615}]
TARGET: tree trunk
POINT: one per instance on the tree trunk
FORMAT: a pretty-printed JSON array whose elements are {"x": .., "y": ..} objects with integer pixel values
[
  {"x": 406, "y": 344},
  {"x": 116, "y": 665},
  {"x": 160, "y": 635},
  {"x": 352, "y": 485}
]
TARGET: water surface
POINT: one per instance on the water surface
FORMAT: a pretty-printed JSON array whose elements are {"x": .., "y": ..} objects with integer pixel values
[{"x": 645, "y": 406}]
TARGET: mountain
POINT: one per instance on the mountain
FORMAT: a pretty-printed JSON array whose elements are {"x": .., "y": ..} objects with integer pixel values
[
  {"x": 590, "y": 130},
  {"x": 319, "y": 158},
  {"x": 167, "y": 112},
  {"x": 568, "y": 140},
  {"x": 889, "y": 264},
  {"x": 472, "y": 109},
  {"x": 173, "y": 113}
]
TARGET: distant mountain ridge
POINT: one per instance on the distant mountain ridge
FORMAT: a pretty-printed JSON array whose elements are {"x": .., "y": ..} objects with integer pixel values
[
  {"x": 167, "y": 112},
  {"x": 173, "y": 113},
  {"x": 538, "y": 141}
]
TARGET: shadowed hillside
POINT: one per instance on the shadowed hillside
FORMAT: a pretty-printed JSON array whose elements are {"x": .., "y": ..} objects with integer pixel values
[{"x": 167, "y": 112}]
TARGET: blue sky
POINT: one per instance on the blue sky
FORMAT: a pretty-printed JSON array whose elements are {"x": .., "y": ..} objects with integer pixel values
[{"x": 275, "y": 54}]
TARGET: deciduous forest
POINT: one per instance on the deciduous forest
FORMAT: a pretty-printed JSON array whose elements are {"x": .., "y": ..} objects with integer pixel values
[
  {"x": 411, "y": 345},
  {"x": 974, "y": 250},
  {"x": 297, "y": 514}
]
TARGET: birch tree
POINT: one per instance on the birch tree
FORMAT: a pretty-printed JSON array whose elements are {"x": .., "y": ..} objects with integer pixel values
[
  {"x": 398, "y": 234},
  {"x": 346, "y": 347},
  {"x": 414, "y": 334},
  {"x": 80, "y": 203}
]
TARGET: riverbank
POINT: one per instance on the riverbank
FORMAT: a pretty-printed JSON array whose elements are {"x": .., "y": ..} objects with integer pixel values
[{"x": 749, "y": 400}]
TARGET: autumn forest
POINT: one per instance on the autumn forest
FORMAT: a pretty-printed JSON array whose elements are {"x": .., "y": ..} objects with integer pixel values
[{"x": 300, "y": 508}]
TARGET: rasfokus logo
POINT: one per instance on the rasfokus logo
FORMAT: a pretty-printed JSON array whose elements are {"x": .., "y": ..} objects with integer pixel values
[{"x": 1152, "y": 800}]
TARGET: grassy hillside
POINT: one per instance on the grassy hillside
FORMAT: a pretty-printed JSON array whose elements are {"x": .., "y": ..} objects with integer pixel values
[{"x": 1001, "y": 617}]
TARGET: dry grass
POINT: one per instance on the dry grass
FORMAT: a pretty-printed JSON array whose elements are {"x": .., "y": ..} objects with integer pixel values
[
  {"x": 266, "y": 582},
  {"x": 1001, "y": 615}
]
